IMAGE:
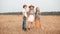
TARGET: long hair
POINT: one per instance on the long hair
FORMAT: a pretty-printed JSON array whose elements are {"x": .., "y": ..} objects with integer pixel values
[{"x": 37, "y": 10}]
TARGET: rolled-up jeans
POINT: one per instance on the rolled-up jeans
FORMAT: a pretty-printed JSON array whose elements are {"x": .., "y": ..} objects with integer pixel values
[{"x": 24, "y": 22}]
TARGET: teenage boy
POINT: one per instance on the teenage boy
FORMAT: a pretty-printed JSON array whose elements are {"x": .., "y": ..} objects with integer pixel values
[{"x": 24, "y": 17}]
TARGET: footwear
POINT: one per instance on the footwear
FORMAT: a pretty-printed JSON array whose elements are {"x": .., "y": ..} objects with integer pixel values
[
  {"x": 25, "y": 29},
  {"x": 28, "y": 28}
]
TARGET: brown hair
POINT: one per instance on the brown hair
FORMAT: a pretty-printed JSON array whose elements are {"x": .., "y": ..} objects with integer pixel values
[{"x": 24, "y": 6}]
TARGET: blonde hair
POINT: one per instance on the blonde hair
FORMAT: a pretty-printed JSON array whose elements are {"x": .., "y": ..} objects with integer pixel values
[{"x": 37, "y": 10}]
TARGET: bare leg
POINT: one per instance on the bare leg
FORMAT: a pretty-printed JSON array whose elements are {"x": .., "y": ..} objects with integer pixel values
[{"x": 29, "y": 25}]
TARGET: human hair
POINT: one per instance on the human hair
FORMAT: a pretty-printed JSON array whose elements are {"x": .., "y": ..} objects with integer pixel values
[
  {"x": 37, "y": 11},
  {"x": 24, "y": 6}
]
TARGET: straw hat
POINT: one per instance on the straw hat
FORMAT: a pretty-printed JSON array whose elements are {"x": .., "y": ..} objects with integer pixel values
[{"x": 31, "y": 6}]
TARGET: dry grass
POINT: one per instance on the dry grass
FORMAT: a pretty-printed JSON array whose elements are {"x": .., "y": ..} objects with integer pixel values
[{"x": 11, "y": 24}]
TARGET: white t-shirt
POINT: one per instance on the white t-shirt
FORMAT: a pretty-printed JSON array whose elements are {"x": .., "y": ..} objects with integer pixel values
[{"x": 25, "y": 12}]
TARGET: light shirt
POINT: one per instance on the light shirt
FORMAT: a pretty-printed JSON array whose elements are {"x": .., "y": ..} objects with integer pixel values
[{"x": 25, "y": 12}]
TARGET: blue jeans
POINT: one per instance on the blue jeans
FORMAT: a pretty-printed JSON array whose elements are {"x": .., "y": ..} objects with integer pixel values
[{"x": 24, "y": 22}]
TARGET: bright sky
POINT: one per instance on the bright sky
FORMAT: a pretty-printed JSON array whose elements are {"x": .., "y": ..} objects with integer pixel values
[{"x": 16, "y": 5}]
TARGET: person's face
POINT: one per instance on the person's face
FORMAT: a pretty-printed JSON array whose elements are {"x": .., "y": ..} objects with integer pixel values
[
  {"x": 32, "y": 8},
  {"x": 25, "y": 7}
]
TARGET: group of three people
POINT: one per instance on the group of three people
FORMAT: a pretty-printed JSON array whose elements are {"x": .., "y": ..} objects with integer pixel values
[{"x": 30, "y": 18}]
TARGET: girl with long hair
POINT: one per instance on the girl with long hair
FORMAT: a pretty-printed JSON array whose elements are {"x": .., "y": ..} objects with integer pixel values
[{"x": 37, "y": 18}]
